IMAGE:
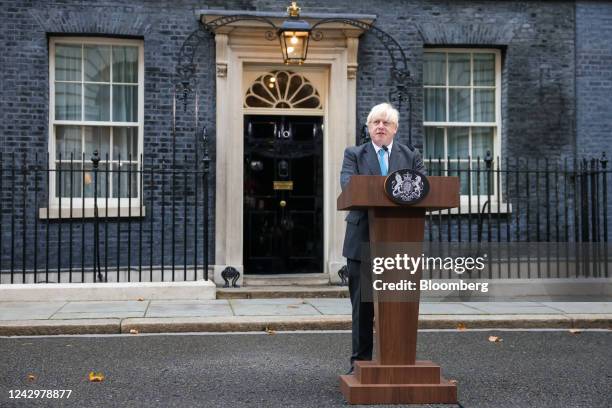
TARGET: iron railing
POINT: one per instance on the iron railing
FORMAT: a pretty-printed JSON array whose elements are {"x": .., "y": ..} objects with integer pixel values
[
  {"x": 537, "y": 203},
  {"x": 103, "y": 221},
  {"x": 149, "y": 221}
]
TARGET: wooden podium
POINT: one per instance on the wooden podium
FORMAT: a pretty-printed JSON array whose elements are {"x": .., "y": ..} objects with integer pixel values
[{"x": 395, "y": 377}]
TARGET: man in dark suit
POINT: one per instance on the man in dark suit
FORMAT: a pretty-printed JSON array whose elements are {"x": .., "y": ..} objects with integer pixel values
[{"x": 381, "y": 156}]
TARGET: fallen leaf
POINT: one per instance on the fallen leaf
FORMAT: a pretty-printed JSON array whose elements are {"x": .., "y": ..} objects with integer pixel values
[
  {"x": 575, "y": 331},
  {"x": 133, "y": 331},
  {"x": 140, "y": 299},
  {"x": 96, "y": 377},
  {"x": 495, "y": 339},
  {"x": 293, "y": 306},
  {"x": 31, "y": 377},
  {"x": 461, "y": 326},
  {"x": 270, "y": 331}
]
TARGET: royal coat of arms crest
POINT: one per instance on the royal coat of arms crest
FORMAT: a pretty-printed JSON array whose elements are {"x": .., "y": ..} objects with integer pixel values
[{"x": 406, "y": 186}]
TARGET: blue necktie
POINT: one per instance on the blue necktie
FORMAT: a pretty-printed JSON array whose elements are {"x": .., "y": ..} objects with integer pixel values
[{"x": 381, "y": 160}]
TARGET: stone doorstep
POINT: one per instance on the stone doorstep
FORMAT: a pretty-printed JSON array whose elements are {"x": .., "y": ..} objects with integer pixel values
[
  {"x": 297, "y": 279},
  {"x": 273, "y": 292}
]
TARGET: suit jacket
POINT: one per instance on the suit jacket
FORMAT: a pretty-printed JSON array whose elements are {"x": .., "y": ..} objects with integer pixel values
[{"x": 362, "y": 160}]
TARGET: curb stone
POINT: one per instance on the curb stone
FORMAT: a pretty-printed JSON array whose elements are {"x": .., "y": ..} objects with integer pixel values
[
  {"x": 54, "y": 327},
  {"x": 290, "y": 323}
]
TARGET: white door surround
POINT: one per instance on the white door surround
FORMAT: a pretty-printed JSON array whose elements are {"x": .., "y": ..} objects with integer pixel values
[{"x": 242, "y": 51}]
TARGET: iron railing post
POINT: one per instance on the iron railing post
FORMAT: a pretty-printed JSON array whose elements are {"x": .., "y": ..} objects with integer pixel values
[
  {"x": 95, "y": 160},
  {"x": 603, "y": 161}
]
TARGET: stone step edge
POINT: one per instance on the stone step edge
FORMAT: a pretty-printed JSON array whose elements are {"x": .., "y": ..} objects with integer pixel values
[
  {"x": 275, "y": 292},
  {"x": 271, "y": 324}
]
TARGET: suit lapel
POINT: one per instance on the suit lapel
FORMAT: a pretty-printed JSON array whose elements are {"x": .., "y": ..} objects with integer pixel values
[
  {"x": 371, "y": 159},
  {"x": 397, "y": 159}
]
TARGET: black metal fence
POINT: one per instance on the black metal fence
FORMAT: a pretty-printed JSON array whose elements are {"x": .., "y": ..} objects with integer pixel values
[
  {"x": 91, "y": 220},
  {"x": 529, "y": 201},
  {"x": 133, "y": 221}
]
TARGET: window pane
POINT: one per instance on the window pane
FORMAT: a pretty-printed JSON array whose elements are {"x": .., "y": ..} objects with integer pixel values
[
  {"x": 482, "y": 141},
  {"x": 458, "y": 142},
  {"x": 434, "y": 68},
  {"x": 460, "y": 169},
  {"x": 67, "y": 101},
  {"x": 294, "y": 84},
  {"x": 435, "y": 105},
  {"x": 92, "y": 179},
  {"x": 459, "y": 105},
  {"x": 458, "y": 69},
  {"x": 434, "y": 142},
  {"x": 125, "y": 143},
  {"x": 484, "y": 69},
  {"x": 97, "y": 63},
  {"x": 125, "y": 64},
  {"x": 68, "y": 141},
  {"x": 121, "y": 187},
  {"x": 97, "y": 102},
  {"x": 260, "y": 90},
  {"x": 484, "y": 105},
  {"x": 67, "y": 62},
  {"x": 125, "y": 103},
  {"x": 68, "y": 179},
  {"x": 97, "y": 138}
]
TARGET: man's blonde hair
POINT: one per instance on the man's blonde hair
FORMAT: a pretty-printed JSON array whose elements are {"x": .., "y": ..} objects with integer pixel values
[{"x": 384, "y": 111}]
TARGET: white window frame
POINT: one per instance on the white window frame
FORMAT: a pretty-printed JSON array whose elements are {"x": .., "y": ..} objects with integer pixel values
[
  {"x": 497, "y": 125},
  {"x": 116, "y": 206}
]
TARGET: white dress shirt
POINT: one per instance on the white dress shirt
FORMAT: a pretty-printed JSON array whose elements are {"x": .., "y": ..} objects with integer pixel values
[{"x": 386, "y": 156}]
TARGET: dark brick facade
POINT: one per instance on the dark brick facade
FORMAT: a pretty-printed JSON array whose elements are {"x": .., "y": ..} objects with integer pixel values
[
  {"x": 593, "y": 77},
  {"x": 556, "y": 69}
]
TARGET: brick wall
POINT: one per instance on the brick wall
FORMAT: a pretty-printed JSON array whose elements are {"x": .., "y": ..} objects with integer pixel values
[{"x": 555, "y": 88}]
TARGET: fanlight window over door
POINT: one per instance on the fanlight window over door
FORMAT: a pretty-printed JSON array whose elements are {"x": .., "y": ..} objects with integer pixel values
[{"x": 283, "y": 90}]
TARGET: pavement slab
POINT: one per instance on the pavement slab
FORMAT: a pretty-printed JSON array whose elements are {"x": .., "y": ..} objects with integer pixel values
[
  {"x": 581, "y": 307},
  {"x": 331, "y": 306},
  {"x": 28, "y": 310},
  {"x": 105, "y": 306},
  {"x": 272, "y": 307},
  {"x": 186, "y": 308},
  {"x": 430, "y": 308},
  {"x": 94, "y": 315},
  {"x": 80, "y": 317},
  {"x": 513, "y": 308}
]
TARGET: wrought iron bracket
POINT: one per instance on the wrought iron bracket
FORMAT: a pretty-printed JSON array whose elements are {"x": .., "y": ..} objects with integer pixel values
[
  {"x": 603, "y": 160},
  {"x": 343, "y": 274},
  {"x": 230, "y": 273},
  {"x": 400, "y": 74}
]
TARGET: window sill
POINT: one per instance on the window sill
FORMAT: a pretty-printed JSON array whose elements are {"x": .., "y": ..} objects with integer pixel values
[
  {"x": 55, "y": 213},
  {"x": 503, "y": 208}
]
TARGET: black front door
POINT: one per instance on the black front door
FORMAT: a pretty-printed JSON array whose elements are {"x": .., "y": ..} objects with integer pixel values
[{"x": 283, "y": 194}]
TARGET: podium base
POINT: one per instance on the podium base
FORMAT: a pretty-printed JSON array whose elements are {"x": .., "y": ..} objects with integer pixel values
[{"x": 420, "y": 383}]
